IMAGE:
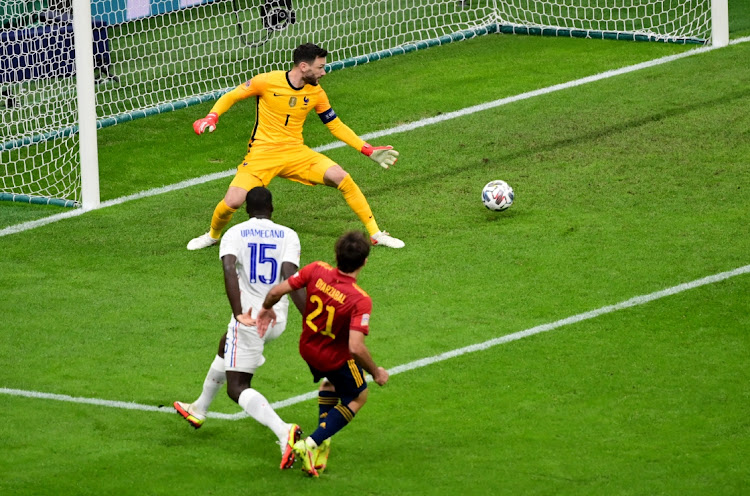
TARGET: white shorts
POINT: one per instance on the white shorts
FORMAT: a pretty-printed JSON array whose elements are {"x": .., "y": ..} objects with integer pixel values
[{"x": 243, "y": 351}]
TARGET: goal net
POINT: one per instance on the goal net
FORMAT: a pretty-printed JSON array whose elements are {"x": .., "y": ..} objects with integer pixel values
[
  {"x": 153, "y": 56},
  {"x": 680, "y": 21},
  {"x": 37, "y": 104}
]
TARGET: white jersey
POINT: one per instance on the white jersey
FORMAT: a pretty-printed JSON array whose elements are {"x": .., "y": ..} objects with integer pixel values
[{"x": 261, "y": 246}]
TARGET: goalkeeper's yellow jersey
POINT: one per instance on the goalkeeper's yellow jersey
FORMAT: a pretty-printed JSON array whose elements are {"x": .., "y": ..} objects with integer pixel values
[{"x": 281, "y": 110}]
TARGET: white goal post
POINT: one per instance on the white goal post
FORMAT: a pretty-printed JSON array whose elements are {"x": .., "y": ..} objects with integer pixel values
[
  {"x": 84, "y": 61},
  {"x": 719, "y": 23},
  {"x": 69, "y": 67}
]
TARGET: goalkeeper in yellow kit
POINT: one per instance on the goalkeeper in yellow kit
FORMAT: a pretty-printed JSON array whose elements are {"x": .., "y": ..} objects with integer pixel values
[{"x": 276, "y": 148}]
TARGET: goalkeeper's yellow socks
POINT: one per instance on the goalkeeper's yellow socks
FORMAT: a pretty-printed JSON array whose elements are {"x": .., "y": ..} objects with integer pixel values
[
  {"x": 222, "y": 215},
  {"x": 326, "y": 401},
  {"x": 338, "y": 418},
  {"x": 357, "y": 202}
]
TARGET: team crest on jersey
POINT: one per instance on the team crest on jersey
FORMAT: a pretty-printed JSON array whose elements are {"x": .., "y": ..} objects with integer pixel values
[
  {"x": 292, "y": 101},
  {"x": 306, "y": 100}
]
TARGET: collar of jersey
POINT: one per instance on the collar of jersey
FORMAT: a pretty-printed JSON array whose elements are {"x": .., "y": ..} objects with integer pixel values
[
  {"x": 343, "y": 276},
  {"x": 290, "y": 83}
]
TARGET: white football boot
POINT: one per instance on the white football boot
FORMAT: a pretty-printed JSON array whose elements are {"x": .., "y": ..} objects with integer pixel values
[
  {"x": 203, "y": 241},
  {"x": 187, "y": 411},
  {"x": 382, "y": 238}
]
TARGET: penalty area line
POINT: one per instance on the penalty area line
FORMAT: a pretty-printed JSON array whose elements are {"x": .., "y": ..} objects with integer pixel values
[
  {"x": 424, "y": 362},
  {"x": 26, "y": 226}
]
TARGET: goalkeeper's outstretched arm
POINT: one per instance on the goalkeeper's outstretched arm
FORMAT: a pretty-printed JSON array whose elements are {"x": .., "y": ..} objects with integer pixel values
[
  {"x": 384, "y": 156},
  {"x": 223, "y": 104}
]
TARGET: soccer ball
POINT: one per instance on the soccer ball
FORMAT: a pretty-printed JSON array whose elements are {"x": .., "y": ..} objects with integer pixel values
[{"x": 497, "y": 195}]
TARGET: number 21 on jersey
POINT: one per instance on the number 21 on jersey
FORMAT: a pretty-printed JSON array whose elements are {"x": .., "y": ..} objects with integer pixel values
[{"x": 315, "y": 299}]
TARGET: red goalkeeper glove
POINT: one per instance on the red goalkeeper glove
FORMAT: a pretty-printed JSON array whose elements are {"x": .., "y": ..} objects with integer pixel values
[
  {"x": 384, "y": 156},
  {"x": 208, "y": 123}
]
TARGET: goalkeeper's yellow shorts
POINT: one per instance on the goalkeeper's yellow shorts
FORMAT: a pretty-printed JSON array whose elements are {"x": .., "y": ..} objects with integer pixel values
[{"x": 295, "y": 162}]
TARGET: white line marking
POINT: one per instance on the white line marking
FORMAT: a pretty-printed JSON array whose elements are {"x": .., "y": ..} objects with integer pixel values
[
  {"x": 632, "y": 302},
  {"x": 94, "y": 401},
  {"x": 25, "y": 226}
]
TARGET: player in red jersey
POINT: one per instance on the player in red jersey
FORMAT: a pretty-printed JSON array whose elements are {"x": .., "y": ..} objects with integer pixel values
[{"x": 335, "y": 322}]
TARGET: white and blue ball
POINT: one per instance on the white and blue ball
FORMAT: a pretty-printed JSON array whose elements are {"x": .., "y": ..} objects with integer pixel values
[{"x": 497, "y": 195}]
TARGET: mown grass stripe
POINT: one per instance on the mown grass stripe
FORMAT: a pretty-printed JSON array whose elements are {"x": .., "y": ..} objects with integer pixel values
[
  {"x": 423, "y": 362},
  {"x": 26, "y": 226}
]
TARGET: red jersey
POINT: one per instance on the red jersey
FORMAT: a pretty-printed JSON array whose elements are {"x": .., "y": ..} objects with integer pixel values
[{"x": 335, "y": 305}]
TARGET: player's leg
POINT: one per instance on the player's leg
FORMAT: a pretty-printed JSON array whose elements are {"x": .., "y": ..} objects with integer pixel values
[
  {"x": 328, "y": 398},
  {"x": 244, "y": 354},
  {"x": 349, "y": 383},
  {"x": 306, "y": 449},
  {"x": 339, "y": 417},
  {"x": 310, "y": 167},
  {"x": 254, "y": 403},
  {"x": 220, "y": 218},
  {"x": 226, "y": 208},
  {"x": 243, "y": 182},
  {"x": 195, "y": 412},
  {"x": 258, "y": 407},
  {"x": 335, "y": 176}
]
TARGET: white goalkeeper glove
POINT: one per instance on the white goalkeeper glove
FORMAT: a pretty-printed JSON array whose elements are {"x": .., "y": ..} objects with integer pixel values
[
  {"x": 208, "y": 123},
  {"x": 384, "y": 156}
]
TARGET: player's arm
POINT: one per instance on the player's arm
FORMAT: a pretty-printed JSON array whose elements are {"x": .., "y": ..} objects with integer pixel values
[
  {"x": 384, "y": 156},
  {"x": 288, "y": 269},
  {"x": 232, "y": 287},
  {"x": 267, "y": 316},
  {"x": 245, "y": 90},
  {"x": 362, "y": 356}
]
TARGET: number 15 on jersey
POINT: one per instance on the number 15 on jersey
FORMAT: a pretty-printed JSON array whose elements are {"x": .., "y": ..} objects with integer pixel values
[{"x": 259, "y": 261}]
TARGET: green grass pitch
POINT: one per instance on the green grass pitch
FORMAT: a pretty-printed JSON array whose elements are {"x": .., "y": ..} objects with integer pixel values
[{"x": 624, "y": 187}]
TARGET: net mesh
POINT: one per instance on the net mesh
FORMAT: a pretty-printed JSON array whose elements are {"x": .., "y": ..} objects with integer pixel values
[{"x": 664, "y": 20}]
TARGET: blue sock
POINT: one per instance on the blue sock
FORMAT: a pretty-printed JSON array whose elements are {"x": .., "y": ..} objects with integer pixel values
[
  {"x": 337, "y": 419},
  {"x": 326, "y": 401}
]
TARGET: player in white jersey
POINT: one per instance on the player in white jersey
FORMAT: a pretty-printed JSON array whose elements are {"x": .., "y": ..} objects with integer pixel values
[{"x": 256, "y": 255}]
